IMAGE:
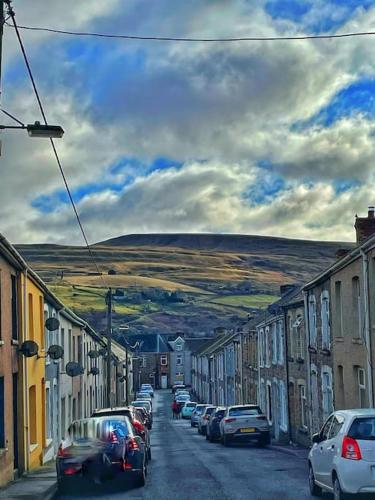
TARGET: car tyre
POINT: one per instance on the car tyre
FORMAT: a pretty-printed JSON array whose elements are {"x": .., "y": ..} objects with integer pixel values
[
  {"x": 141, "y": 477},
  {"x": 315, "y": 490},
  {"x": 338, "y": 494},
  {"x": 149, "y": 453}
]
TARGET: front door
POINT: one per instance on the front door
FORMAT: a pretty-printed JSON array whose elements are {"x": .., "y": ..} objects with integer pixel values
[
  {"x": 164, "y": 381},
  {"x": 15, "y": 420}
]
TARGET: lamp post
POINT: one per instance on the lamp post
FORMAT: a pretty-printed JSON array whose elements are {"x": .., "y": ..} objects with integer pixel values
[{"x": 37, "y": 130}]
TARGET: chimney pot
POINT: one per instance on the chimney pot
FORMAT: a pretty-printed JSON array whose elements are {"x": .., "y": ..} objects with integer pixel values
[
  {"x": 365, "y": 226},
  {"x": 371, "y": 212}
]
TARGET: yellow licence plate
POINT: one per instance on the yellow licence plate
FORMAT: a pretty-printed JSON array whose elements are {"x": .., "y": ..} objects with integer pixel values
[{"x": 248, "y": 429}]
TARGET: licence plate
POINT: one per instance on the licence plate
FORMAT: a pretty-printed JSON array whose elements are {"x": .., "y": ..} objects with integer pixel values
[{"x": 248, "y": 429}]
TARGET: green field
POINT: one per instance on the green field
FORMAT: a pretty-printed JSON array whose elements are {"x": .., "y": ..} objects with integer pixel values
[{"x": 245, "y": 301}]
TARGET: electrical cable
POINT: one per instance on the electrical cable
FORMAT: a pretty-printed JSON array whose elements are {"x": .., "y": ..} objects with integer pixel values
[
  {"x": 12, "y": 117},
  {"x": 12, "y": 15},
  {"x": 192, "y": 39}
]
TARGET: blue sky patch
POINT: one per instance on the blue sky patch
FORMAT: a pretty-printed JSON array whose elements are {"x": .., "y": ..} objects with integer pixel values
[
  {"x": 266, "y": 187},
  {"x": 343, "y": 185}
]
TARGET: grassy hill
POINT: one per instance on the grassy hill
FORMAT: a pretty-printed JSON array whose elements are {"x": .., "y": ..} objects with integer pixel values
[{"x": 178, "y": 282}]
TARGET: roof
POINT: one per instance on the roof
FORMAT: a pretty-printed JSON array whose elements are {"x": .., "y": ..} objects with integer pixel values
[
  {"x": 195, "y": 344},
  {"x": 149, "y": 342}
]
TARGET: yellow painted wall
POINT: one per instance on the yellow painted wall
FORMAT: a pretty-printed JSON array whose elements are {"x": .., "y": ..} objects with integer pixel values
[{"x": 34, "y": 378}]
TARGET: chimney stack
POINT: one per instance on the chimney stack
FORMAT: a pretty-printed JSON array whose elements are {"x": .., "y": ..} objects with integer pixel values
[{"x": 365, "y": 226}]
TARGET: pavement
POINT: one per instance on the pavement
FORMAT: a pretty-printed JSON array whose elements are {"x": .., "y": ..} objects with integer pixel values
[
  {"x": 185, "y": 466},
  {"x": 36, "y": 485}
]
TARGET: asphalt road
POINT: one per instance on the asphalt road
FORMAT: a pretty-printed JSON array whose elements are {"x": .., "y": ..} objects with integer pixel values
[{"x": 185, "y": 466}]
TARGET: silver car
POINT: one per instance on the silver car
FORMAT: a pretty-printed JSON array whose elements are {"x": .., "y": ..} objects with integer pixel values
[
  {"x": 245, "y": 423},
  {"x": 342, "y": 459},
  {"x": 196, "y": 414},
  {"x": 204, "y": 418}
]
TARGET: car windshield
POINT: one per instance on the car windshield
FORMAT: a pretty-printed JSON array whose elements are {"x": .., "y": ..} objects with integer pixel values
[
  {"x": 200, "y": 409},
  {"x": 142, "y": 404},
  {"x": 190, "y": 405},
  {"x": 363, "y": 428},
  {"x": 183, "y": 397},
  {"x": 244, "y": 410}
]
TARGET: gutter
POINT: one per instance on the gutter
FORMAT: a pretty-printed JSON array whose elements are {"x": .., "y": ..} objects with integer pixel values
[{"x": 367, "y": 327}]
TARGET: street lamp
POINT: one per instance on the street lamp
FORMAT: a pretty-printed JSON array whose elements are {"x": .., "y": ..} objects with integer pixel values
[{"x": 38, "y": 130}]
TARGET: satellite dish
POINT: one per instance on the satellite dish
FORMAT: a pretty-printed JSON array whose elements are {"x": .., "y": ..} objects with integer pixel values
[
  {"x": 52, "y": 324},
  {"x": 74, "y": 369},
  {"x": 29, "y": 348},
  {"x": 55, "y": 352},
  {"x": 102, "y": 352},
  {"x": 93, "y": 354},
  {"x": 94, "y": 371},
  {"x": 122, "y": 379}
]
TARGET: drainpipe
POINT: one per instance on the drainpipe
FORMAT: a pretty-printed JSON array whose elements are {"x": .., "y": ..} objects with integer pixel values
[
  {"x": 307, "y": 339},
  {"x": 285, "y": 317},
  {"x": 25, "y": 378},
  {"x": 241, "y": 361},
  {"x": 367, "y": 327}
]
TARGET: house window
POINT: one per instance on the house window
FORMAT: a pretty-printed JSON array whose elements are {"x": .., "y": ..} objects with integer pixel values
[
  {"x": 303, "y": 405},
  {"x": 338, "y": 308},
  {"x": 31, "y": 316},
  {"x": 163, "y": 360},
  {"x": 298, "y": 333},
  {"x": 327, "y": 391},
  {"x": 14, "y": 309},
  {"x": 48, "y": 415},
  {"x": 178, "y": 347},
  {"x": 179, "y": 360},
  {"x": 283, "y": 407},
  {"x": 291, "y": 339},
  {"x": 362, "y": 388},
  {"x": 324, "y": 312},
  {"x": 356, "y": 307},
  {"x": 312, "y": 320},
  {"x": 33, "y": 415},
  {"x": 267, "y": 347},
  {"x": 261, "y": 348},
  {"x": 63, "y": 346},
  {"x": 280, "y": 341},
  {"x": 274, "y": 343},
  {"x": 144, "y": 362}
]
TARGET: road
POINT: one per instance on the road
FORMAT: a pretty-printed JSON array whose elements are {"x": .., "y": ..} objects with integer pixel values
[{"x": 185, "y": 466}]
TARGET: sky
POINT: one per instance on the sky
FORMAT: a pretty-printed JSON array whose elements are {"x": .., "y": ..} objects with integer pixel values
[{"x": 266, "y": 138}]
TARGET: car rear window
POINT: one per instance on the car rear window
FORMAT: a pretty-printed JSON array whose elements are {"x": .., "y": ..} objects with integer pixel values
[
  {"x": 97, "y": 429},
  {"x": 219, "y": 413},
  {"x": 244, "y": 410},
  {"x": 109, "y": 413},
  {"x": 209, "y": 411},
  {"x": 363, "y": 428},
  {"x": 190, "y": 405}
]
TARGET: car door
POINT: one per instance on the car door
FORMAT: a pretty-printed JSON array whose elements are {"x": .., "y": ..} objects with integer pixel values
[
  {"x": 317, "y": 452},
  {"x": 330, "y": 449}
]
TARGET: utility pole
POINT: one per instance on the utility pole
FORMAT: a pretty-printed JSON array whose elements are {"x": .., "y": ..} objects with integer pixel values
[
  {"x": 109, "y": 344},
  {"x": 127, "y": 379}
]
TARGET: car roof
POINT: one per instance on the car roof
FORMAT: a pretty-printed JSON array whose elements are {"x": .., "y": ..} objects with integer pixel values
[
  {"x": 357, "y": 412},
  {"x": 251, "y": 405},
  {"x": 113, "y": 408}
]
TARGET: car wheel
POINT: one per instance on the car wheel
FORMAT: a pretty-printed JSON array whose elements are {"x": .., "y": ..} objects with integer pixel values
[
  {"x": 315, "y": 490},
  {"x": 141, "y": 478},
  {"x": 149, "y": 453},
  {"x": 338, "y": 494}
]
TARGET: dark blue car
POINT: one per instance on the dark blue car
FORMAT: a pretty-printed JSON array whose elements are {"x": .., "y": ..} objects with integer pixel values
[{"x": 213, "y": 429}]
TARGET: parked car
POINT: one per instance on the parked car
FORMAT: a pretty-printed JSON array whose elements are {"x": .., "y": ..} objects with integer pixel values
[
  {"x": 177, "y": 386},
  {"x": 213, "y": 425},
  {"x": 188, "y": 409},
  {"x": 144, "y": 396},
  {"x": 143, "y": 404},
  {"x": 204, "y": 418},
  {"x": 245, "y": 423},
  {"x": 182, "y": 399},
  {"x": 342, "y": 458},
  {"x": 147, "y": 388},
  {"x": 98, "y": 449},
  {"x": 130, "y": 412},
  {"x": 196, "y": 414},
  {"x": 181, "y": 393}
]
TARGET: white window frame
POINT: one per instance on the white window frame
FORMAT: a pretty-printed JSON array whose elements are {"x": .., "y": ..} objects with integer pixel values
[
  {"x": 291, "y": 343},
  {"x": 313, "y": 333},
  {"x": 303, "y": 405},
  {"x": 299, "y": 338},
  {"x": 164, "y": 360},
  {"x": 267, "y": 347},
  {"x": 274, "y": 343},
  {"x": 280, "y": 340},
  {"x": 179, "y": 360},
  {"x": 361, "y": 386},
  {"x": 283, "y": 407},
  {"x": 324, "y": 314},
  {"x": 261, "y": 348},
  {"x": 327, "y": 391}
]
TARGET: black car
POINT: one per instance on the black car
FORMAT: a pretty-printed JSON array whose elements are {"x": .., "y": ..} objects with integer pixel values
[
  {"x": 213, "y": 425},
  {"x": 135, "y": 418},
  {"x": 101, "y": 448}
]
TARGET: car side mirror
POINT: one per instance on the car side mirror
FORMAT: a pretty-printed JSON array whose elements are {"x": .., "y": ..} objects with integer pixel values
[{"x": 316, "y": 438}]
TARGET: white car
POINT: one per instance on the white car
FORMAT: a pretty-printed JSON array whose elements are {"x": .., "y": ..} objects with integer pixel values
[
  {"x": 342, "y": 459},
  {"x": 245, "y": 423},
  {"x": 147, "y": 388}
]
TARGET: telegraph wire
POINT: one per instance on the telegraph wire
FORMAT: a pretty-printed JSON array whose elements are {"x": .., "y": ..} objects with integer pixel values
[
  {"x": 12, "y": 16},
  {"x": 193, "y": 39}
]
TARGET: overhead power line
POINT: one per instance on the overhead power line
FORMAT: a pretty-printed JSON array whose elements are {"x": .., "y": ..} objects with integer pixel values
[
  {"x": 194, "y": 39},
  {"x": 36, "y": 92}
]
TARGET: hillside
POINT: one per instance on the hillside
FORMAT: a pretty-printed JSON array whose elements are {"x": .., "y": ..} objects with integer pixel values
[{"x": 179, "y": 282}]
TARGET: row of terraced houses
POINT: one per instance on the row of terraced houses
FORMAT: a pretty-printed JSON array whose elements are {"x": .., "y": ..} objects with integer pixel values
[
  {"x": 39, "y": 394},
  {"x": 310, "y": 352}
]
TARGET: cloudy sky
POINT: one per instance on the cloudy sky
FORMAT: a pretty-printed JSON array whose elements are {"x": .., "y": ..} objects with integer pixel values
[{"x": 271, "y": 138}]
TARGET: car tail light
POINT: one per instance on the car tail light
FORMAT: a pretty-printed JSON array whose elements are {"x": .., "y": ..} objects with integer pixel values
[
  {"x": 113, "y": 438},
  {"x": 132, "y": 444},
  {"x": 62, "y": 452},
  {"x": 138, "y": 425},
  {"x": 70, "y": 471},
  {"x": 126, "y": 466},
  {"x": 350, "y": 449},
  {"x": 229, "y": 420}
]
